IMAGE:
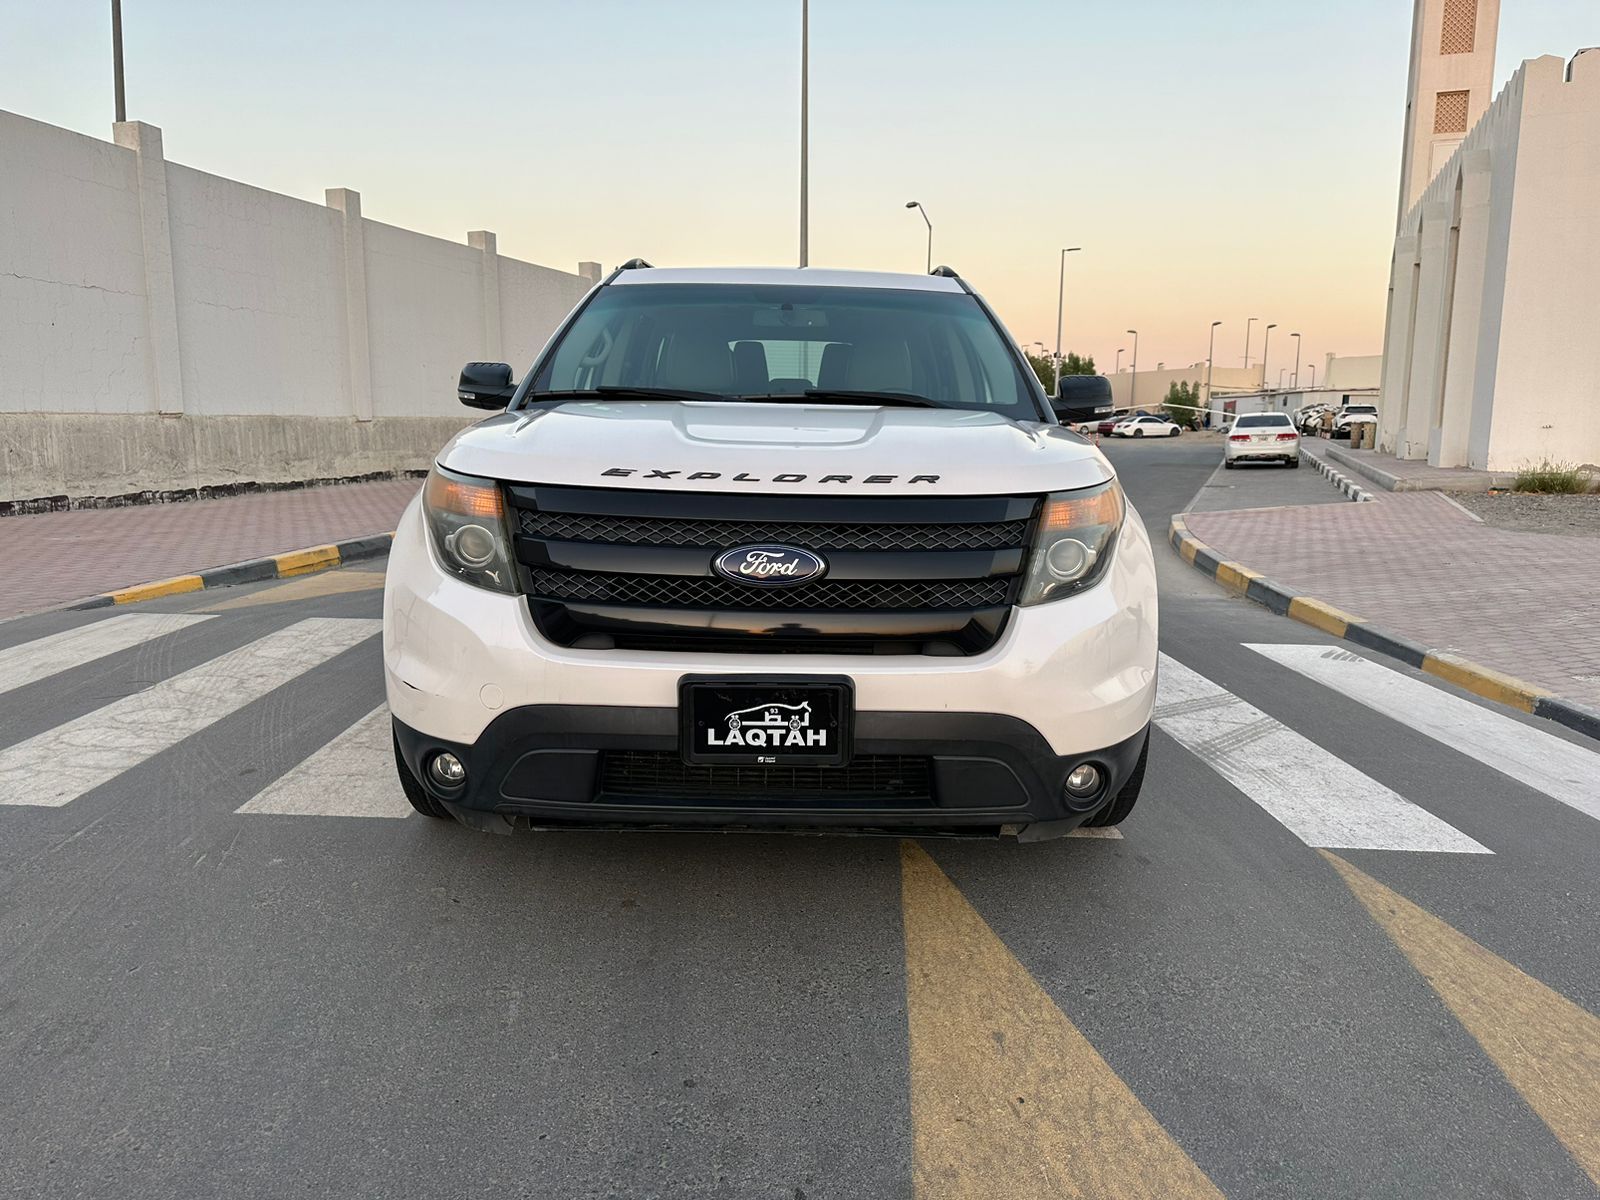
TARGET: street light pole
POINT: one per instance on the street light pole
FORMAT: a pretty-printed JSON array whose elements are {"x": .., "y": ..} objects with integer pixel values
[
  {"x": 1313, "y": 367},
  {"x": 914, "y": 204},
  {"x": 1210, "y": 350},
  {"x": 1133, "y": 383},
  {"x": 1247, "y": 325},
  {"x": 1295, "y": 378},
  {"x": 1061, "y": 302},
  {"x": 116, "y": 59},
  {"x": 805, "y": 104},
  {"x": 1266, "y": 341}
]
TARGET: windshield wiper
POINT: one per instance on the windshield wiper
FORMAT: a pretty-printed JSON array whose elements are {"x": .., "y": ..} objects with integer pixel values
[
  {"x": 617, "y": 391},
  {"x": 836, "y": 396}
]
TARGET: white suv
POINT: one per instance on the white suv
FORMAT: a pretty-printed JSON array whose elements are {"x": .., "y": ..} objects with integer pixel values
[
  {"x": 778, "y": 548},
  {"x": 1262, "y": 437}
]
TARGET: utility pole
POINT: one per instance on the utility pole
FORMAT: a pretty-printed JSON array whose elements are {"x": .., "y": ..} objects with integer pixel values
[
  {"x": 1061, "y": 302},
  {"x": 116, "y": 59},
  {"x": 1133, "y": 383},
  {"x": 805, "y": 101},
  {"x": 1210, "y": 350}
]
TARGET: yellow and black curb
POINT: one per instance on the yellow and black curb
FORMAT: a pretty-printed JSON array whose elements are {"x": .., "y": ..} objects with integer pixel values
[
  {"x": 273, "y": 566},
  {"x": 1462, "y": 672}
]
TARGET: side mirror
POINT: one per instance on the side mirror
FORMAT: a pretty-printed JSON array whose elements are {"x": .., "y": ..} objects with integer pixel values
[{"x": 486, "y": 385}]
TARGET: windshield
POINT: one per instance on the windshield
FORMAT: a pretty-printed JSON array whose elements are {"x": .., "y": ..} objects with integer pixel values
[{"x": 737, "y": 341}]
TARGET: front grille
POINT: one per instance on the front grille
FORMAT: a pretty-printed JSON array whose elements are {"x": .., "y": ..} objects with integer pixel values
[
  {"x": 676, "y": 591},
  {"x": 663, "y": 775},
  {"x": 618, "y": 568},
  {"x": 667, "y": 531}
]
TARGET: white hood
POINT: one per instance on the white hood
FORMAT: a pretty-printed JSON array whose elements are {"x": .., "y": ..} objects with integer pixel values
[{"x": 764, "y": 448}]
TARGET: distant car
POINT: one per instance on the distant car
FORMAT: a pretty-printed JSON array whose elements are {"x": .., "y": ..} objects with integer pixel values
[
  {"x": 1309, "y": 418},
  {"x": 1262, "y": 437},
  {"x": 1106, "y": 426},
  {"x": 1354, "y": 414},
  {"x": 1138, "y": 427}
]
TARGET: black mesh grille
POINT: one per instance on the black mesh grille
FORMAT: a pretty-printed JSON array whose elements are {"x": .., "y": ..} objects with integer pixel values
[
  {"x": 660, "y": 531},
  {"x": 662, "y": 774},
  {"x": 673, "y": 591}
]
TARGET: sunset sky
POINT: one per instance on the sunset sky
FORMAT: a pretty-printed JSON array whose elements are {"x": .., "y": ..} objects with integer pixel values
[{"x": 1215, "y": 160}]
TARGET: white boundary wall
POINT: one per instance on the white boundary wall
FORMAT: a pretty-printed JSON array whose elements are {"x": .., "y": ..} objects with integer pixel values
[{"x": 162, "y": 329}]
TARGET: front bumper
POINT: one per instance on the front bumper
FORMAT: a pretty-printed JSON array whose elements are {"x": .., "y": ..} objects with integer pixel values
[
  {"x": 466, "y": 669},
  {"x": 553, "y": 766}
]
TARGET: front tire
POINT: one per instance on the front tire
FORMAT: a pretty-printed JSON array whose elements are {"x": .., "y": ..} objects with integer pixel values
[
  {"x": 1117, "y": 811},
  {"x": 415, "y": 792}
]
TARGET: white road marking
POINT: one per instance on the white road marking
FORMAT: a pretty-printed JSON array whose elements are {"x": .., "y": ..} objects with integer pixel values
[
  {"x": 39, "y": 659},
  {"x": 63, "y": 763},
  {"x": 352, "y": 776},
  {"x": 1320, "y": 798},
  {"x": 1541, "y": 760}
]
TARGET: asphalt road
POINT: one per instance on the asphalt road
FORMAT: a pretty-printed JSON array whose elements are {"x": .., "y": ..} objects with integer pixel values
[{"x": 231, "y": 968}]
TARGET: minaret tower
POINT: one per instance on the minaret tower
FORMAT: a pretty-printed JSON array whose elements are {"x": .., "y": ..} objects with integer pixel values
[{"x": 1450, "y": 85}]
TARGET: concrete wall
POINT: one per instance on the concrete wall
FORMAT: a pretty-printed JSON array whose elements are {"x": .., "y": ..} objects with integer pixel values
[
  {"x": 1495, "y": 286},
  {"x": 163, "y": 329},
  {"x": 1152, "y": 386}
]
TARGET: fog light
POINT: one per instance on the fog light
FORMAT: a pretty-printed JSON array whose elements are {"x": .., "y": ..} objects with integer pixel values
[
  {"x": 447, "y": 770},
  {"x": 1083, "y": 781}
]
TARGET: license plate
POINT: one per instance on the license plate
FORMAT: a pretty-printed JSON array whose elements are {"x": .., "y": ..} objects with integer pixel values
[{"x": 765, "y": 721}]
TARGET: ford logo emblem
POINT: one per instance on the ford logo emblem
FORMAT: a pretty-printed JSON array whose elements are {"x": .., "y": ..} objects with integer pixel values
[{"x": 769, "y": 566}]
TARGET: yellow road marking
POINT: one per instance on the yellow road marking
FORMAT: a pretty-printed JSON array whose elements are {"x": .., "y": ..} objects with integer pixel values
[
  {"x": 329, "y": 583},
  {"x": 162, "y": 587},
  {"x": 1321, "y": 616},
  {"x": 301, "y": 562},
  {"x": 1485, "y": 682},
  {"x": 1546, "y": 1046},
  {"x": 1008, "y": 1099}
]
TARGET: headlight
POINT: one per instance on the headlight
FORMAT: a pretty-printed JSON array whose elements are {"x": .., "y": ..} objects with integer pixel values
[
  {"x": 1072, "y": 549},
  {"x": 467, "y": 522}
]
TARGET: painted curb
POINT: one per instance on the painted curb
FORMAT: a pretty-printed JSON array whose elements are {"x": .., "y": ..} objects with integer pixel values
[
  {"x": 1443, "y": 664},
  {"x": 304, "y": 561},
  {"x": 1339, "y": 479}
]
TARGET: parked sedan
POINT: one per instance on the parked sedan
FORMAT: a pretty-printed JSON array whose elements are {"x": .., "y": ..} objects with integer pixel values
[
  {"x": 1139, "y": 427},
  {"x": 1354, "y": 414},
  {"x": 1262, "y": 437}
]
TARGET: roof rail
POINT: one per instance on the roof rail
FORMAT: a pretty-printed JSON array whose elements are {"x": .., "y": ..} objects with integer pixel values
[
  {"x": 946, "y": 272},
  {"x": 635, "y": 264}
]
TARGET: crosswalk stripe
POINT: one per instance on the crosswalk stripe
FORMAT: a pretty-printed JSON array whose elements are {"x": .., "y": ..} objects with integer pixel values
[
  {"x": 1320, "y": 798},
  {"x": 63, "y": 763},
  {"x": 351, "y": 776},
  {"x": 1541, "y": 760},
  {"x": 46, "y": 656}
]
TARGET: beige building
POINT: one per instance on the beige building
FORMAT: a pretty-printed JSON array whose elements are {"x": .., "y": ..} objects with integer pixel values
[{"x": 1494, "y": 294}]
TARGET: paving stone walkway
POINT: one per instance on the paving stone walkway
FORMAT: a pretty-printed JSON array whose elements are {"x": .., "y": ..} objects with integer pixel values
[
  {"x": 54, "y": 558},
  {"x": 1418, "y": 564}
]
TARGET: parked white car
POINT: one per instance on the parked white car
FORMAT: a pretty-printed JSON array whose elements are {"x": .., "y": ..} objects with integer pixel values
[
  {"x": 1354, "y": 414},
  {"x": 1140, "y": 427},
  {"x": 1262, "y": 437}
]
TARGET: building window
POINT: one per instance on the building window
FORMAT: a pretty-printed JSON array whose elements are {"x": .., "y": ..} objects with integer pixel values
[
  {"x": 1450, "y": 112},
  {"x": 1460, "y": 33}
]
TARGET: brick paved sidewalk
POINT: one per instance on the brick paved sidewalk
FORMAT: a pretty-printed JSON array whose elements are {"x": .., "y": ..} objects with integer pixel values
[
  {"x": 53, "y": 558},
  {"x": 1527, "y": 604}
]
